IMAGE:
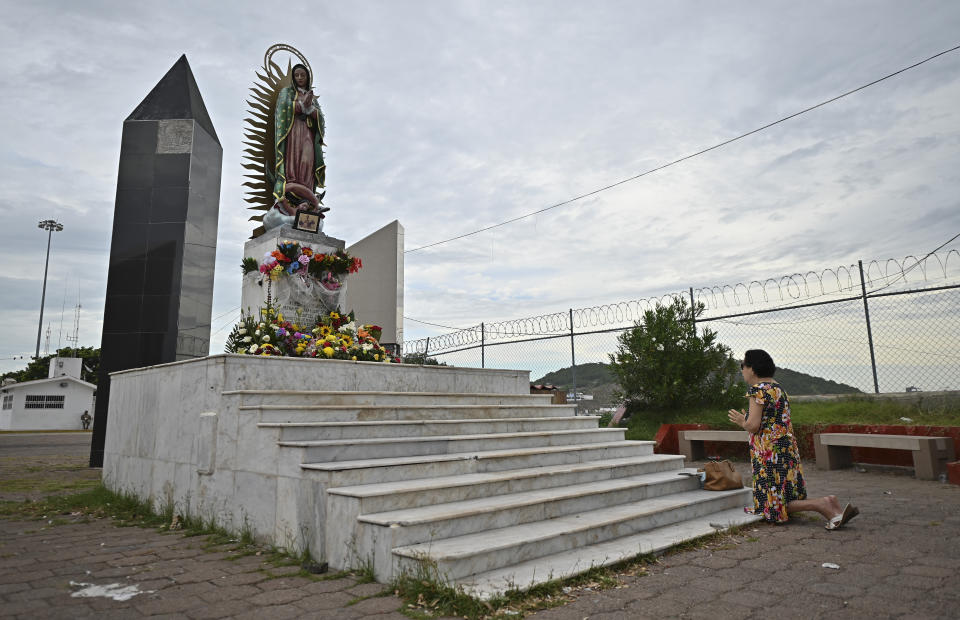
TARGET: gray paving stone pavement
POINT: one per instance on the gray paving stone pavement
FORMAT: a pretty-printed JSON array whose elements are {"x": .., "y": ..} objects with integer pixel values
[{"x": 899, "y": 559}]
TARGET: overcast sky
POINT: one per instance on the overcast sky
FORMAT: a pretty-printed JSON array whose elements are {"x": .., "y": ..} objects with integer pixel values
[{"x": 452, "y": 116}]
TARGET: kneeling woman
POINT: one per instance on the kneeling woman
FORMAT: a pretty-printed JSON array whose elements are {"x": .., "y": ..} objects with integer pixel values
[{"x": 778, "y": 486}]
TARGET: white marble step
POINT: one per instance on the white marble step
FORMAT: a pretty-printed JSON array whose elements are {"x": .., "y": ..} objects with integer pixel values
[
  {"x": 378, "y": 533},
  {"x": 367, "y": 471},
  {"x": 307, "y": 431},
  {"x": 346, "y": 413},
  {"x": 492, "y": 548},
  {"x": 564, "y": 564},
  {"x": 388, "y": 496},
  {"x": 383, "y": 447},
  {"x": 349, "y": 398}
]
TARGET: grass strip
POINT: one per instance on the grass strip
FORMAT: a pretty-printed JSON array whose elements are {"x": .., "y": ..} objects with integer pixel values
[{"x": 846, "y": 410}]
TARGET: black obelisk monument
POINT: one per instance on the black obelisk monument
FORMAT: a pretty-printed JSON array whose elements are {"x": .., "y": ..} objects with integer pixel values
[{"x": 160, "y": 280}]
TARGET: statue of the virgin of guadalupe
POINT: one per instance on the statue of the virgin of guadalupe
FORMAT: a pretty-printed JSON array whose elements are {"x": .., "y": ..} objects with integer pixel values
[{"x": 285, "y": 136}]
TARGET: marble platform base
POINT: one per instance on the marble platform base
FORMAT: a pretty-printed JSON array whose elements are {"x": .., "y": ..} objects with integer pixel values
[
  {"x": 181, "y": 435},
  {"x": 396, "y": 467}
]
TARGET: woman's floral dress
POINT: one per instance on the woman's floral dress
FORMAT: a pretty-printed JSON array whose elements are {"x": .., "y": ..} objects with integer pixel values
[{"x": 777, "y": 473}]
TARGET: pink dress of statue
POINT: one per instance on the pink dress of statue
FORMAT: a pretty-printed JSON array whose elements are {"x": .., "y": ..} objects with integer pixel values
[{"x": 299, "y": 161}]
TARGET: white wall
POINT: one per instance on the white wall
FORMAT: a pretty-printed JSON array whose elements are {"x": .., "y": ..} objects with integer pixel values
[{"x": 375, "y": 293}]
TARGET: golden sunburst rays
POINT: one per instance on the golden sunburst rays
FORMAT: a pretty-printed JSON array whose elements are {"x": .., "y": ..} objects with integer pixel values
[{"x": 258, "y": 156}]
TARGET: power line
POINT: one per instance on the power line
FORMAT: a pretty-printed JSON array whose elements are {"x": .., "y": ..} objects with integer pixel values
[
  {"x": 685, "y": 158},
  {"x": 228, "y": 322},
  {"x": 458, "y": 329}
]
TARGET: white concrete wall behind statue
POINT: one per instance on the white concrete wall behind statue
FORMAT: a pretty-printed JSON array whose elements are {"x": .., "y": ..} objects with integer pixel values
[
  {"x": 376, "y": 291},
  {"x": 176, "y": 435}
]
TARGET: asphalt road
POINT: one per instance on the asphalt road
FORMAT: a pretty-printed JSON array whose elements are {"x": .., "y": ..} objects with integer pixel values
[{"x": 74, "y": 444}]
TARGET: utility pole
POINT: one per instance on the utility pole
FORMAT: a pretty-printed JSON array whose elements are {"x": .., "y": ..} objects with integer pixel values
[{"x": 50, "y": 226}]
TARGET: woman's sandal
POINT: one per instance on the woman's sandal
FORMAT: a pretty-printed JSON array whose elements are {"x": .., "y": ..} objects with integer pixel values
[{"x": 849, "y": 512}]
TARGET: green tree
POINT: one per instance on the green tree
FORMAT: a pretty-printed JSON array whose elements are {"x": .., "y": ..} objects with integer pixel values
[
  {"x": 39, "y": 368},
  {"x": 422, "y": 359},
  {"x": 666, "y": 362}
]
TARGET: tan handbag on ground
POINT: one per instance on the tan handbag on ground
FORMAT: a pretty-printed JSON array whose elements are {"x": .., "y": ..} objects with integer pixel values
[{"x": 721, "y": 476}]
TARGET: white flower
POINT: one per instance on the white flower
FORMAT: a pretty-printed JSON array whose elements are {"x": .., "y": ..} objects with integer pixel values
[
  {"x": 256, "y": 333},
  {"x": 659, "y": 347},
  {"x": 367, "y": 346},
  {"x": 266, "y": 338},
  {"x": 242, "y": 331},
  {"x": 247, "y": 339},
  {"x": 349, "y": 327},
  {"x": 253, "y": 349}
]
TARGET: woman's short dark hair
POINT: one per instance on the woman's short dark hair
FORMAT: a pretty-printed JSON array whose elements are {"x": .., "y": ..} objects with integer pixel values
[
  {"x": 760, "y": 362},
  {"x": 305, "y": 70}
]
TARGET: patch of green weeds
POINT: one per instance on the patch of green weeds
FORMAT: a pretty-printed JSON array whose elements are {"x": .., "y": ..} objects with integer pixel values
[
  {"x": 246, "y": 535},
  {"x": 32, "y": 485},
  {"x": 365, "y": 573},
  {"x": 97, "y": 502},
  {"x": 423, "y": 591}
]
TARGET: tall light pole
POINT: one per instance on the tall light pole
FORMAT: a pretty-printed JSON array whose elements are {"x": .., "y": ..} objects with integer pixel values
[{"x": 49, "y": 226}]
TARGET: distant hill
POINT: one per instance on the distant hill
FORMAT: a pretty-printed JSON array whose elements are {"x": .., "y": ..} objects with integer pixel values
[
  {"x": 596, "y": 377},
  {"x": 798, "y": 383},
  {"x": 588, "y": 376}
]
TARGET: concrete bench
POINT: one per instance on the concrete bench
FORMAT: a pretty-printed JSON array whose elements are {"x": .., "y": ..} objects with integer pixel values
[
  {"x": 930, "y": 454},
  {"x": 691, "y": 442}
]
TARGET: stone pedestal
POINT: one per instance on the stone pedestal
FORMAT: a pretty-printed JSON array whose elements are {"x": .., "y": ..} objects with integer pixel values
[{"x": 291, "y": 293}]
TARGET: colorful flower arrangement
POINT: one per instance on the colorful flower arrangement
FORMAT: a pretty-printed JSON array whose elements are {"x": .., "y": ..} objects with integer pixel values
[
  {"x": 331, "y": 336},
  {"x": 290, "y": 258}
]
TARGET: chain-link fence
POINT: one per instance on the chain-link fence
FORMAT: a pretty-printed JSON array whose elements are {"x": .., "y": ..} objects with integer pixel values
[{"x": 883, "y": 326}]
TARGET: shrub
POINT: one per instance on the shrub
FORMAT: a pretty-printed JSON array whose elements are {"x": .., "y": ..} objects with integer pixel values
[{"x": 664, "y": 363}]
